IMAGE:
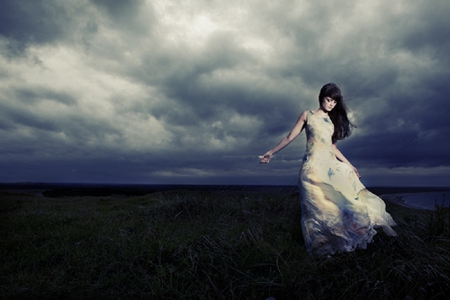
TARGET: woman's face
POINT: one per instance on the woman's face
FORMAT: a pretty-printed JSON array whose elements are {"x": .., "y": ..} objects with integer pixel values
[{"x": 328, "y": 104}]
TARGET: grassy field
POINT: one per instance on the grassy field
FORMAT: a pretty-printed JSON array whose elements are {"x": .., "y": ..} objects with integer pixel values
[{"x": 206, "y": 245}]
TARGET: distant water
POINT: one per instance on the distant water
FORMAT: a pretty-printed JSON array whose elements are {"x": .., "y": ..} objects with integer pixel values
[{"x": 427, "y": 200}]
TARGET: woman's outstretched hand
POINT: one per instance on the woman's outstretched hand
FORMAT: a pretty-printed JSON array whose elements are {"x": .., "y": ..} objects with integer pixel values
[{"x": 264, "y": 159}]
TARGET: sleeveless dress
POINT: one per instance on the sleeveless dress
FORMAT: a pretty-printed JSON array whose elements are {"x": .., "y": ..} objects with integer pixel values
[{"x": 338, "y": 213}]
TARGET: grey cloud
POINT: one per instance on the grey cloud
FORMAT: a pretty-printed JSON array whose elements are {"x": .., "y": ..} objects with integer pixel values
[
  {"x": 425, "y": 29},
  {"x": 126, "y": 15},
  {"x": 29, "y": 95},
  {"x": 119, "y": 8},
  {"x": 400, "y": 149},
  {"x": 18, "y": 106},
  {"x": 29, "y": 119},
  {"x": 31, "y": 22},
  {"x": 27, "y": 129},
  {"x": 182, "y": 66}
]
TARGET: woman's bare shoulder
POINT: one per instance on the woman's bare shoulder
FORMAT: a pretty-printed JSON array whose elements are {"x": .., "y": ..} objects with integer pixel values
[
  {"x": 304, "y": 115},
  {"x": 303, "y": 118},
  {"x": 308, "y": 111}
]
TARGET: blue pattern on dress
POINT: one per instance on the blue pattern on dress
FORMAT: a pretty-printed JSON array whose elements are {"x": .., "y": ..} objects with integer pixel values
[{"x": 330, "y": 173}]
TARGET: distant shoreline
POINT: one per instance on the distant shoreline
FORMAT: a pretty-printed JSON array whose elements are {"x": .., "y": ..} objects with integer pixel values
[
  {"x": 421, "y": 200},
  {"x": 396, "y": 198}
]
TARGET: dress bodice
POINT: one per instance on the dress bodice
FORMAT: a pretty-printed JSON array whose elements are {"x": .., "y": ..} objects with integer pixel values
[{"x": 319, "y": 130}]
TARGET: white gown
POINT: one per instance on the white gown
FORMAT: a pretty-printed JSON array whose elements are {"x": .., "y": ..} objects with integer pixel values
[{"x": 338, "y": 213}]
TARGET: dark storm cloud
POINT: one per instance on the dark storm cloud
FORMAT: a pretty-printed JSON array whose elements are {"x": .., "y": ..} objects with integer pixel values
[
  {"x": 425, "y": 30},
  {"x": 126, "y": 15},
  {"x": 21, "y": 110},
  {"x": 192, "y": 91},
  {"x": 31, "y": 95},
  {"x": 119, "y": 9},
  {"x": 31, "y": 22},
  {"x": 184, "y": 76},
  {"x": 43, "y": 123}
]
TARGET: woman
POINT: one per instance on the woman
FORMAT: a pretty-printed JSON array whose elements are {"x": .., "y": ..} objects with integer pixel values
[{"x": 338, "y": 213}]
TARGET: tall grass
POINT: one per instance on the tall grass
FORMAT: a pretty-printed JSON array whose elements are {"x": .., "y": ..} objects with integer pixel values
[{"x": 206, "y": 245}]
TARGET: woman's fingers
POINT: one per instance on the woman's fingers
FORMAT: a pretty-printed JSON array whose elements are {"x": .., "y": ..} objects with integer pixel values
[{"x": 264, "y": 159}]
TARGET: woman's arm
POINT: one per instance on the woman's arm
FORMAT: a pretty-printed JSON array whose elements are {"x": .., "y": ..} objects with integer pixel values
[
  {"x": 342, "y": 158},
  {"x": 296, "y": 130}
]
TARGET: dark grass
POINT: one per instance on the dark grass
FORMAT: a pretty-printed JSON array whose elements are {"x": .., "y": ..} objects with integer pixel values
[{"x": 190, "y": 244}]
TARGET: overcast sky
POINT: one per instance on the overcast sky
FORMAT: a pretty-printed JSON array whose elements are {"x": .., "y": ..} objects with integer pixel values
[{"x": 191, "y": 92}]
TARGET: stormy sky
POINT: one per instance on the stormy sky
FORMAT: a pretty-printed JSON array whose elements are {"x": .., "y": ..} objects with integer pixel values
[{"x": 191, "y": 92}]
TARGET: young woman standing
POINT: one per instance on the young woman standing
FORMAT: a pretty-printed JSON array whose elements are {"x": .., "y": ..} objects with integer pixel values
[{"x": 338, "y": 213}]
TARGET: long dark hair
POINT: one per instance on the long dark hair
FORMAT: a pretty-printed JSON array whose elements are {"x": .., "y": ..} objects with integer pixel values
[{"x": 342, "y": 126}]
